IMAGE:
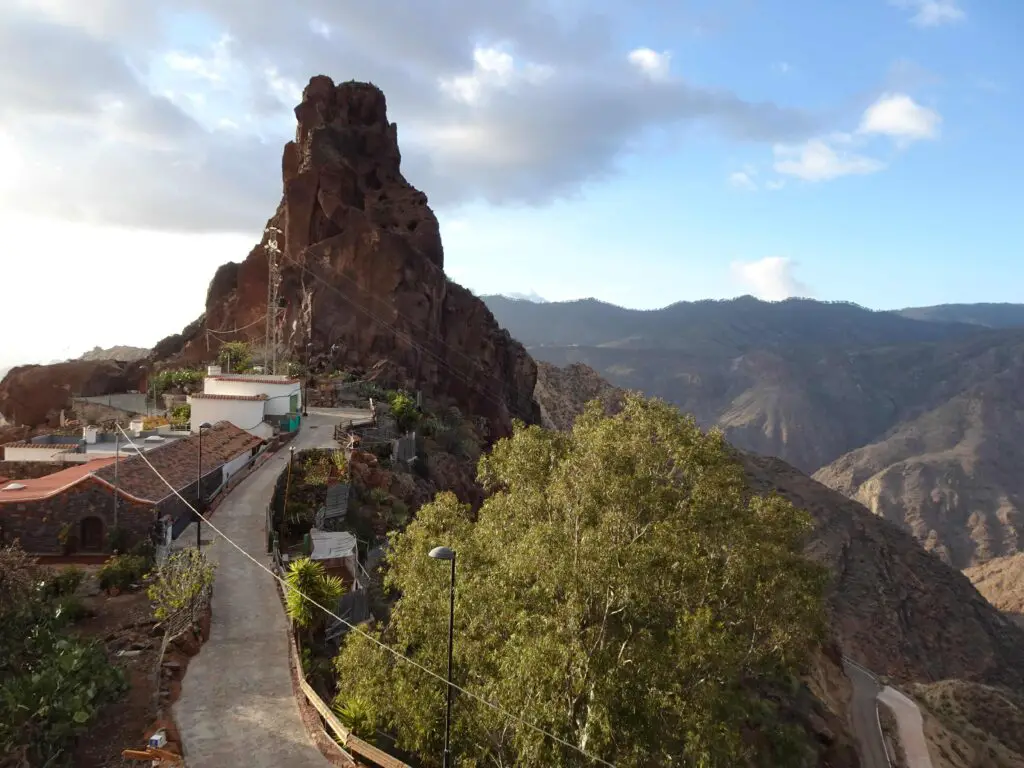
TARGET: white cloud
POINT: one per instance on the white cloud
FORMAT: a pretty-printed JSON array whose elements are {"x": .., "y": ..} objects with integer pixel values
[
  {"x": 771, "y": 278},
  {"x": 653, "y": 64},
  {"x": 742, "y": 180},
  {"x": 493, "y": 69},
  {"x": 932, "y": 13},
  {"x": 899, "y": 116},
  {"x": 816, "y": 160},
  {"x": 214, "y": 67},
  {"x": 774, "y": 185}
]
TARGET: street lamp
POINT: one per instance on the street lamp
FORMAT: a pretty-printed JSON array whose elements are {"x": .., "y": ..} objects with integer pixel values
[
  {"x": 445, "y": 553},
  {"x": 199, "y": 488},
  {"x": 305, "y": 382}
]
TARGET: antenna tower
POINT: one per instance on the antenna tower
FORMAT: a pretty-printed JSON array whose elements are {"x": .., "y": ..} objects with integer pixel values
[{"x": 273, "y": 334}]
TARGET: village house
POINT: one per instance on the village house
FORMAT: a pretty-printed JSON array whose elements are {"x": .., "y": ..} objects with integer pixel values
[
  {"x": 258, "y": 403},
  {"x": 67, "y": 449},
  {"x": 74, "y": 509}
]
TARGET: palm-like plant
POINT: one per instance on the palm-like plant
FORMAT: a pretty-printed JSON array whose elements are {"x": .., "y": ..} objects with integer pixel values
[{"x": 309, "y": 583}]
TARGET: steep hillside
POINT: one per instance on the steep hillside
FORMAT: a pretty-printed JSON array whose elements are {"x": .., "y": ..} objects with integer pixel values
[
  {"x": 919, "y": 419},
  {"x": 952, "y": 475},
  {"x": 987, "y": 315},
  {"x": 561, "y": 393},
  {"x": 1001, "y": 581}
]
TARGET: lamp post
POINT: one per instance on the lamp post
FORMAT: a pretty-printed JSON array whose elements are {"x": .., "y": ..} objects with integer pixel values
[
  {"x": 445, "y": 553},
  {"x": 199, "y": 489},
  {"x": 305, "y": 381},
  {"x": 287, "y": 489}
]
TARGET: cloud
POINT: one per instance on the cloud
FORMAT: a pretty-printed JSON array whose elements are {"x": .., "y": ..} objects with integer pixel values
[
  {"x": 899, "y": 116},
  {"x": 932, "y": 13},
  {"x": 782, "y": 67},
  {"x": 172, "y": 115},
  {"x": 771, "y": 278},
  {"x": 653, "y": 64},
  {"x": 816, "y": 160},
  {"x": 893, "y": 115},
  {"x": 742, "y": 180}
]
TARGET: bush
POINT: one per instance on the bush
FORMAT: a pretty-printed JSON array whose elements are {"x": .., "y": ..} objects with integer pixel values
[
  {"x": 64, "y": 582},
  {"x": 146, "y": 549},
  {"x": 235, "y": 357},
  {"x": 121, "y": 571},
  {"x": 117, "y": 540},
  {"x": 180, "y": 414},
  {"x": 379, "y": 496},
  {"x": 404, "y": 410},
  {"x": 181, "y": 580},
  {"x": 70, "y": 608}
]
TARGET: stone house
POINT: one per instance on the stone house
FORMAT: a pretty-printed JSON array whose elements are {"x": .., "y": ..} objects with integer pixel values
[{"x": 76, "y": 505}]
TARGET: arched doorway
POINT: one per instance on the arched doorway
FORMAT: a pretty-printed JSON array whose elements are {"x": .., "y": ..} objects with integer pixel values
[{"x": 91, "y": 538}]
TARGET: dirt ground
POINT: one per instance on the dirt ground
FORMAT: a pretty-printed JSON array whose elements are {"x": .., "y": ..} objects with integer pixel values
[{"x": 125, "y": 624}]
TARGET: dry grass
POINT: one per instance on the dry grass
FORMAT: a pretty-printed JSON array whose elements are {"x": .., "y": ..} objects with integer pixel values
[
  {"x": 1001, "y": 582},
  {"x": 970, "y": 725}
]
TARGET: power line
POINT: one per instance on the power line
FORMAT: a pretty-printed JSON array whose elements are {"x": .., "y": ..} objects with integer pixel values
[
  {"x": 371, "y": 638},
  {"x": 230, "y": 331}
]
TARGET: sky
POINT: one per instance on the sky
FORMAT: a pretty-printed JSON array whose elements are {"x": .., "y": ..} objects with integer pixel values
[{"x": 639, "y": 152}]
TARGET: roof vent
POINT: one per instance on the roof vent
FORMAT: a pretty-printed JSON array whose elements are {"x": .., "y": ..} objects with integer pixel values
[
  {"x": 14, "y": 487},
  {"x": 154, "y": 439}
]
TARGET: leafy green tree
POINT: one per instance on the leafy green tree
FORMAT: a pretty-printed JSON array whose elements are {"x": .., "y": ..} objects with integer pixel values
[
  {"x": 620, "y": 587},
  {"x": 52, "y": 684},
  {"x": 235, "y": 357},
  {"x": 404, "y": 411}
]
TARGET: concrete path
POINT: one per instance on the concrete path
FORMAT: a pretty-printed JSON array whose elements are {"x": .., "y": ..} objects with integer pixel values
[
  {"x": 864, "y": 715},
  {"x": 237, "y": 709},
  {"x": 911, "y": 727}
]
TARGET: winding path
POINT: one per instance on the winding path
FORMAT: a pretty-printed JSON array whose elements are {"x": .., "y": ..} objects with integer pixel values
[
  {"x": 237, "y": 709},
  {"x": 867, "y": 728}
]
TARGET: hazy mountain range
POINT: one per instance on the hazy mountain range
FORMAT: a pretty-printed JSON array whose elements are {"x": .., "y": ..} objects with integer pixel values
[{"x": 916, "y": 413}]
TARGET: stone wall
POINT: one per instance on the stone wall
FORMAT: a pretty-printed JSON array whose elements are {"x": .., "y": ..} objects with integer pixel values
[
  {"x": 37, "y": 524},
  {"x": 29, "y": 470}
]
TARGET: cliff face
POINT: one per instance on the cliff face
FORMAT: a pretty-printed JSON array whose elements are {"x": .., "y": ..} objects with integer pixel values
[{"x": 362, "y": 270}]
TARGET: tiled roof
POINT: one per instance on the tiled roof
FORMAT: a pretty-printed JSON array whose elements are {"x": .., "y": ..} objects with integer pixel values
[
  {"x": 177, "y": 462},
  {"x": 50, "y": 485},
  {"x": 254, "y": 379},
  {"x": 207, "y": 396},
  {"x": 51, "y": 446}
]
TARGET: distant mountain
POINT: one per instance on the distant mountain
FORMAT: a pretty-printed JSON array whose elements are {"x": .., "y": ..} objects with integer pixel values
[
  {"x": 531, "y": 297},
  {"x": 124, "y": 354},
  {"x": 919, "y": 419},
  {"x": 987, "y": 315}
]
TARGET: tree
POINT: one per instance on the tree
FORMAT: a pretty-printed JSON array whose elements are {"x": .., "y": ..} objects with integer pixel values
[
  {"x": 235, "y": 357},
  {"x": 620, "y": 588},
  {"x": 180, "y": 581},
  {"x": 403, "y": 409}
]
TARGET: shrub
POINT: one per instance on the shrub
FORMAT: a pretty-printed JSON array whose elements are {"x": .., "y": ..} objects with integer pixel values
[
  {"x": 70, "y": 608},
  {"x": 182, "y": 579},
  {"x": 180, "y": 414},
  {"x": 379, "y": 496},
  {"x": 404, "y": 410},
  {"x": 146, "y": 549},
  {"x": 121, "y": 571},
  {"x": 64, "y": 582},
  {"x": 117, "y": 540}
]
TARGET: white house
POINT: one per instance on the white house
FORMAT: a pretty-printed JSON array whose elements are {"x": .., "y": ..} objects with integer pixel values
[
  {"x": 31, "y": 451},
  {"x": 283, "y": 394},
  {"x": 246, "y": 412}
]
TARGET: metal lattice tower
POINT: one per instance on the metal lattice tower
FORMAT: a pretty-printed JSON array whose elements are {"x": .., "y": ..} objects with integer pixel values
[{"x": 273, "y": 334}]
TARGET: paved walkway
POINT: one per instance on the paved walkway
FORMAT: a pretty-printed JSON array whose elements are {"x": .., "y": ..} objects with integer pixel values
[
  {"x": 237, "y": 709},
  {"x": 867, "y": 728},
  {"x": 911, "y": 727}
]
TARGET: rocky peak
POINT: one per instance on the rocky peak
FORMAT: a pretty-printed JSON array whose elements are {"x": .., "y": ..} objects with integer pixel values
[{"x": 362, "y": 276}]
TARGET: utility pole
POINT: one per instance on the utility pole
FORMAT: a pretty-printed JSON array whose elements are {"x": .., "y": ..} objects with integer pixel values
[{"x": 117, "y": 462}]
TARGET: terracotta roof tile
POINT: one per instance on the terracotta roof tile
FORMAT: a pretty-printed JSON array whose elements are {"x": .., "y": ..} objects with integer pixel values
[
  {"x": 207, "y": 396},
  {"x": 50, "y": 485},
  {"x": 177, "y": 462}
]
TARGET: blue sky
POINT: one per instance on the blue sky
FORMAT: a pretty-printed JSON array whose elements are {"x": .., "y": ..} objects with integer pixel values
[{"x": 641, "y": 153}]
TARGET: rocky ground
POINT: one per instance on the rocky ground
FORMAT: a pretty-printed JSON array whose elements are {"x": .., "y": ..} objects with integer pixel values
[{"x": 1001, "y": 581}]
